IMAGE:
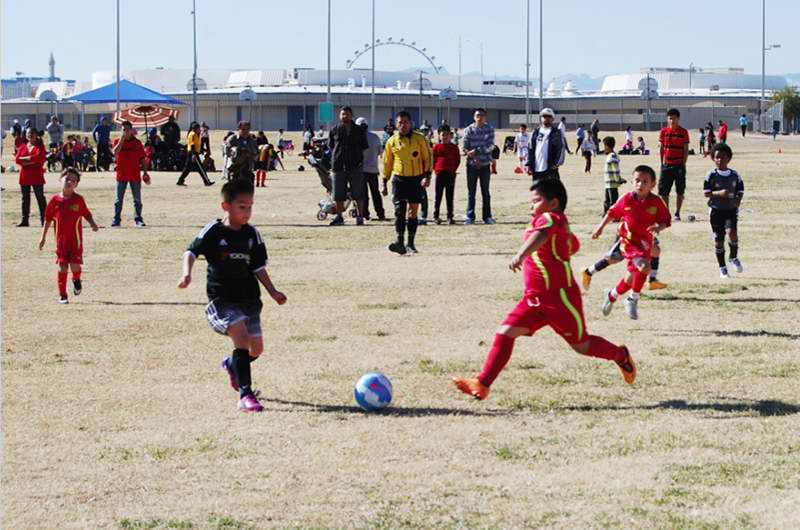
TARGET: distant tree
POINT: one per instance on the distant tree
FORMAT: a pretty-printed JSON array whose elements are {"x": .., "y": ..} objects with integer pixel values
[{"x": 791, "y": 103}]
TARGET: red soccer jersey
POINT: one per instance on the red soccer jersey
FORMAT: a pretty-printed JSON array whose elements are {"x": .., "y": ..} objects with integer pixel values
[
  {"x": 128, "y": 165},
  {"x": 68, "y": 212},
  {"x": 548, "y": 268},
  {"x": 673, "y": 141},
  {"x": 446, "y": 157},
  {"x": 637, "y": 216}
]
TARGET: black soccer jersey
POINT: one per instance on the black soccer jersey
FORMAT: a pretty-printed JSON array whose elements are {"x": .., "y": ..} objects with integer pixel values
[
  {"x": 719, "y": 180},
  {"x": 234, "y": 256}
]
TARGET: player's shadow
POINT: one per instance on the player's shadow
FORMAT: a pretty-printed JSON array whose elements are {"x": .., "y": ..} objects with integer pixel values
[
  {"x": 722, "y": 333},
  {"x": 764, "y": 408},
  {"x": 107, "y": 302},
  {"x": 672, "y": 298},
  {"x": 412, "y": 412}
]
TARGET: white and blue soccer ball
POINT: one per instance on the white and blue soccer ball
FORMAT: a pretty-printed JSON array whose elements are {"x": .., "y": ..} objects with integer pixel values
[{"x": 373, "y": 391}]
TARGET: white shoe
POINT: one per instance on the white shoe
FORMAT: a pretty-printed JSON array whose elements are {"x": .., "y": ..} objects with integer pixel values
[
  {"x": 630, "y": 308},
  {"x": 608, "y": 305},
  {"x": 737, "y": 265},
  {"x": 723, "y": 273}
]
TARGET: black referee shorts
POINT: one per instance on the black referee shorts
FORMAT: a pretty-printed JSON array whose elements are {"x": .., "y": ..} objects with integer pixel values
[{"x": 407, "y": 189}]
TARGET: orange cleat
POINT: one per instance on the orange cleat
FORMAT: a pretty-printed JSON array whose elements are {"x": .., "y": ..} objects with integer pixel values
[
  {"x": 627, "y": 366},
  {"x": 586, "y": 278},
  {"x": 473, "y": 387},
  {"x": 654, "y": 285}
]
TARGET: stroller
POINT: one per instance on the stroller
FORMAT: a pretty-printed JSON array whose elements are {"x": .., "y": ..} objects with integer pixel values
[
  {"x": 320, "y": 159},
  {"x": 508, "y": 144}
]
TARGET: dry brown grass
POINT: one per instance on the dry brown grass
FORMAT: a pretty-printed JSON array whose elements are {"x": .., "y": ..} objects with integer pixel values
[{"x": 117, "y": 415}]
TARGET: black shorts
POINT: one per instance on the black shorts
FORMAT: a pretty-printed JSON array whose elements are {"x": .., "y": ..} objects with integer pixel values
[
  {"x": 407, "y": 189},
  {"x": 672, "y": 173},
  {"x": 722, "y": 220}
]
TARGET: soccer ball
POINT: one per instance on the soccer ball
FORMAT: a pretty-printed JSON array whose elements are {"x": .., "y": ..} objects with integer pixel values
[{"x": 373, "y": 391}]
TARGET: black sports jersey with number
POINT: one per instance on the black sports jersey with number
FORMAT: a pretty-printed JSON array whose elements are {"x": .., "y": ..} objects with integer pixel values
[
  {"x": 729, "y": 180},
  {"x": 234, "y": 256}
]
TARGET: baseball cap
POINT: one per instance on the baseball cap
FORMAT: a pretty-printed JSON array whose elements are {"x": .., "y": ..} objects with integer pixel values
[
  {"x": 547, "y": 112},
  {"x": 361, "y": 121}
]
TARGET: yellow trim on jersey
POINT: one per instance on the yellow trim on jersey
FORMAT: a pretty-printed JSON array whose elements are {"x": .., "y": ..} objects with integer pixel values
[
  {"x": 399, "y": 157},
  {"x": 574, "y": 312}
]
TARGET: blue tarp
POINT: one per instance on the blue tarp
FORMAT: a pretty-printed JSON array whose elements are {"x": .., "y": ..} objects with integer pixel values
[{"x": 128, "y": 93}]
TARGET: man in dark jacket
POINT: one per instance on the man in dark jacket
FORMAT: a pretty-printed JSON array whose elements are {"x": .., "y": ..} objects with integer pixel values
[
  {"x": 171, "y": 132},
  {"x": 102, "y": 135},
  {"x": 545, "y": 148}
]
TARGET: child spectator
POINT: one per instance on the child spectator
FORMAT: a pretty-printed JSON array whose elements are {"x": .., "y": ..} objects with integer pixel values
[
  {"x": 446, "y": 160},
  {"x": 580, "y": 134},
  {"x": 131, "y": 169},
  {"x": 642, "y": 148},
  {"x": 711, "y": 140},
  {"x": 552, "y": 297},
  {"x": 225, "y": 155},
  {"x": 456, "y": 137},
  {"x": 89, "y": 155},
  {"x": 612, "y": 177},
  {"x": 308, "y": 134},
  {"x": 262, "y": 163},
  {"x": 724, "y": 189},
  {"x": 67, "y": 210},
  {"x": 274, "y": 159},
  {"x": 521, "y": 147},
  {"x": 205, "y": 139},
  {"x": 643, "y": 215},
  {"x": 237, "y": 262},
  {"x": 702, "y": 139},
  {"x": 495, "y": 157},
  {"x": 587, "y": 148},
  {"x": 67, "y": 149},
  {"x": 208, "y": 162},
  {"x": 77, "y": 150},
  {"x": 56, "y": 154},
  {"x": 280, "y": 142}
]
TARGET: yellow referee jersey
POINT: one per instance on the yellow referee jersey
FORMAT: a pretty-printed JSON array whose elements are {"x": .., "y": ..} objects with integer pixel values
[{"x": 407, "y": 156}]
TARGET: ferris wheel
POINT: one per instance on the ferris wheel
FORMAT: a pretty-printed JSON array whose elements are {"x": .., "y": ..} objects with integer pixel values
[{"x": 390, "y": 52}]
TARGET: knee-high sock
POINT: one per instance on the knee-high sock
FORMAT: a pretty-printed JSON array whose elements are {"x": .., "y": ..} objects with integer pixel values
[
  {"x": 400, "y": 220},
  {"x": 619, "y": 290},
  {"x": 62, "y": 283},
  {"x": 497, "y": 359},
  {"x": 76, "y": 275},
  {"x": 734, "y": 246},
  {"x": 653, "y": 268},
  {"x": 241, "y": 368},
  {"x": 720, "y": 251},
  {"x": 639, "y": 280},
  {"x": 602, "y": 349}
]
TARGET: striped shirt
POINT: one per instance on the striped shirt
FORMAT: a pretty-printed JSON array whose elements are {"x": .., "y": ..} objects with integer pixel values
[
  {"x": 481, "y": 139},
  {"x": 672, "y": 145},
  {"x": 613, "y": 179},
  {"x": 407, "y": 156},
  {"x": 347, "y": 147}
]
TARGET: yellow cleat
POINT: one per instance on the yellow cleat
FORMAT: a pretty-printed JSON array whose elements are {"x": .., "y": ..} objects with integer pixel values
[
  {"x": 472, "y": 387},
  {"x": 586, "y": 278},
  {"x": 654, "y": 285},
  {"x": 627, "y": 366}
]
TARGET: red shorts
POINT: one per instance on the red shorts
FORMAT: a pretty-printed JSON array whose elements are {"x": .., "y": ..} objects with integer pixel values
[
  {"x": 69, "y": 256},
  {"x": 562, "y": 310},
  {"x": 635, "y": 249}
]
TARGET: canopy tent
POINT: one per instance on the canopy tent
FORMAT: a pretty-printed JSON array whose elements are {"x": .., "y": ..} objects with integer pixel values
[{"x": 128, "y": 93}]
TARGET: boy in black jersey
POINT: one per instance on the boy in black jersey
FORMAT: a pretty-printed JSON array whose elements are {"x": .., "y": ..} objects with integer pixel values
[
  {"x": 237, "y": 261},
  {"x": 724, "y": 189}
]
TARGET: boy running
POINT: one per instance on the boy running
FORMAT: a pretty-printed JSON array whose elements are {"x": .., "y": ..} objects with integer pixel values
[
  {"x": 237, "y": 261},
  {"x": 67, "y": 210},
  {"x": 724, "y": 189},
  {"x": 552, "y": 298},
  {"x": 643, "y": 215}
]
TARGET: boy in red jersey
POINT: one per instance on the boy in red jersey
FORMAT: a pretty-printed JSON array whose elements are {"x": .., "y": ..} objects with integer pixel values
[
  {"x": 643, "y": 215},
  {"x": 552, "y": 297},
  {"x": 446, "y": 159},
  {"x": 68, "y": 209}
]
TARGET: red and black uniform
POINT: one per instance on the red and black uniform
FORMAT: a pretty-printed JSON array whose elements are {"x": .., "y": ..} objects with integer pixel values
[
  {"x": 446, "y": 159},
  {"x": 673, "y": 170}
]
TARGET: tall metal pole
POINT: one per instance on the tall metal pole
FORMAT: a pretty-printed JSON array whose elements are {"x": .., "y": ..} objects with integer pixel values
[
  {"x": 459, "y": 63},
  {"x": 329, "y": 51},
  {"x": 420, "y": 99},
  {"x": 541, "y": 74},
  {"x": 528, "y": 67},
  {"x": 194, "y": 74},
  {"x": 117, "y": 55},
  {"x": 763, "y": 58},
  {"x": 372, "y": 98}
]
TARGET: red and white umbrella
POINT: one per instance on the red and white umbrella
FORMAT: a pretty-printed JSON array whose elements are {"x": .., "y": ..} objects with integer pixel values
[{"x": 145, "y": 116}]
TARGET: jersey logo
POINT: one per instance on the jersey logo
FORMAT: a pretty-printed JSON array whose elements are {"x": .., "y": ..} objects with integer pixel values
[
  {"x": 223, "y": 242},
  {"x": 75, "y": 207},
  {"x": 533, "y": 305},
  {"x": 652, "y": 210}
]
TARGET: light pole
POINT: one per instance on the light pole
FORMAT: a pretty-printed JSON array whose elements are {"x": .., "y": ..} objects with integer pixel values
[
  {"x": 372, "y": 98},
  {"x": 117, "y": 55},
  {"x": 329, "y": 51},
  {"x": 541, "y": 74},
  {"x": 528, "y": 66},
  {"x": 764, "y": 49},
  {"x": 194, "y": 74}
]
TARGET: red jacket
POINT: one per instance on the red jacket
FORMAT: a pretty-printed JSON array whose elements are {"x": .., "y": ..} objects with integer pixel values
[{"x": 33, "y": 174}]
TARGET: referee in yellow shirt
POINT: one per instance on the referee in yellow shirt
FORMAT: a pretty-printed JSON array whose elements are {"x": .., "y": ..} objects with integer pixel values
[
  {"x": 193, "y": 156},
  {"x": 408, "y": 162}
]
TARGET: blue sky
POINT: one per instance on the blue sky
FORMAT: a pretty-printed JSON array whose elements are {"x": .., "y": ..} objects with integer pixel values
[{"x": 613, "y": 37}]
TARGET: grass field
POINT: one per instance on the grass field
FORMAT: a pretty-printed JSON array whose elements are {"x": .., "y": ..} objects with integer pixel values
[{"x": 116, "y": 414}]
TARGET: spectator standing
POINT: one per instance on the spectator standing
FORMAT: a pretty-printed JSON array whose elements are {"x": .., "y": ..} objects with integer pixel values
[
  {"x": 308, "y": 134},
  {"x": 16, "y": 129},
  {"x": 205, "y": 139},
  {"x": 446, "y": 160},
  {"x": 743, "y": 124},
  {"x": 347, "y": 142},
  {"x": 30, "y": 158},
  {"x": 595, "y": 128},
  {"x": 580, "y": 135},
  {"x": 102, "y": 136},
  {"x": 56, "y": 132},
  {"x": 477, "y": 144},
  {"x": 673, "y": 148},
  {"x": 241, "y": 150},
  {"x": 545, "y": 148},
  {"x": 722, "y": 134},
  {"x": 131, "y": 159},
  {"x": 520, "y": 147},
  {"x": 171, "y": 132},
  {"x": 372, "y": 172},
  {"x": 194, "y": 148},
  {"x": 562, "y": 126}
]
